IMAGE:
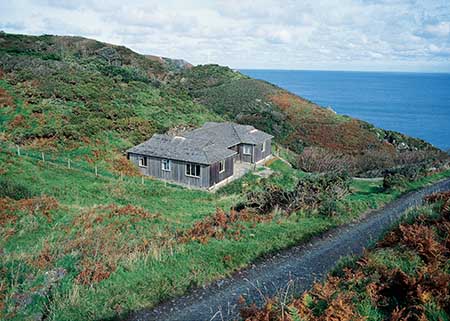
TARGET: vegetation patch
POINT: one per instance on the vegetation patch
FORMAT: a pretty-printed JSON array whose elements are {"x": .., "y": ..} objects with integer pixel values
[
  {"x": 311, "y": 192},
  {"x": 85, "y": 237},
  {"x": 221, "y": 224},
  {"x": 404, "y": 277}
]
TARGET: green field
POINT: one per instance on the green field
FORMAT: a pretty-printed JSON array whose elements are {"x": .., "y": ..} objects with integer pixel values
[
  {"x": 119, "y": 243},
  {"x": 76, "y": 246}
]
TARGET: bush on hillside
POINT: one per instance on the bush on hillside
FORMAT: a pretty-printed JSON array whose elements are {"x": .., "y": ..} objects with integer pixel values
[
  {"x": 14, "y": 190},
  {"x": 400, "y": 176},
  {"x": 316, "y": 159},
  {"x": 321, "y": 192}
]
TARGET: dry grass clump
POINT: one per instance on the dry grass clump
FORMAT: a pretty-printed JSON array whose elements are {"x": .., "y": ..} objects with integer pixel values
[
  {"x": 100, "y": 236},
  {"x": 220, "y": 224},
  {"x": 320, "y": 193},
  {"x": 5, "y": 98},
  {"x": 11, "y": 211}
]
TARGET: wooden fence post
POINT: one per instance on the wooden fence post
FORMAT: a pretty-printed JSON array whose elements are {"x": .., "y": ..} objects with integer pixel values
[
  {"x": 43, "y": 158},
  {"x": 18, "y": 150},
  {"x": 96, "y": 170}
]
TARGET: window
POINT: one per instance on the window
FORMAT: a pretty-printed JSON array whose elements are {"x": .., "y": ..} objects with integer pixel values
[
  {"x": 142, "y": 161},
  {"x": 222, "y": 166},
  {"x": 193, "y": 170},
  {"x": 166, "y": 165},
  {"x": 263, "y": 147},
  {"x": 247, "y": 149}
]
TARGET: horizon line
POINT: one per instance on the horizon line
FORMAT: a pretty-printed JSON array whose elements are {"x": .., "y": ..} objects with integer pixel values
[{"x": 350, "y": 70}]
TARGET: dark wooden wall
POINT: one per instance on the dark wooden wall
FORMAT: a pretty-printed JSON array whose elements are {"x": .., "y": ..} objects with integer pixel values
[
  {"x": 177, "y": 173},
  {"x": 259, "y": 154},
  {"x": 216, "y": 177}
]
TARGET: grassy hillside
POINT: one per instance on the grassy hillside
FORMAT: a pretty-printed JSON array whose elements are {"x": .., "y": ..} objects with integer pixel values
[
  {"x": 298, "y": 123},
  {"x": 65, "y": 93},
  {"x": 80, "y": 247},
  {"x": 68, "y": 92},
  {"x": 76, "y": 246},
  {"x": 404, "y": 277}
]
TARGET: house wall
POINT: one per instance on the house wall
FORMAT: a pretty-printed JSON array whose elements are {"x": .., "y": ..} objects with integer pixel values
[
  {"x": 256, "y": 152},
  {"x": 259, "y": 154},
  {"x": 215, "y": 176},
  {"x": 245, "y": 158},
  {"x": 237, "y": 157},
  {"x": 176, "y": 174}
]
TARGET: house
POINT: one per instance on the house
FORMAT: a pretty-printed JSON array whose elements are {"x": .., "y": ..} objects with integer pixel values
[{"x": 202, "y": 157}]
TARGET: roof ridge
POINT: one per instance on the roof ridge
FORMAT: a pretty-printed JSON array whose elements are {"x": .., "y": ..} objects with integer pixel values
[
  {"x": 234, "y": 128},
  {"x": 206, "y": 155}
]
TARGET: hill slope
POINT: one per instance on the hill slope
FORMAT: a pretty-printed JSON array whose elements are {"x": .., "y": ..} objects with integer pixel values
[
  {"x": 298, "y": 123},
  {"x": 60, "y": 91},
  {"x": 66, "y": 92},
  {"x": 75, "y": 245}
]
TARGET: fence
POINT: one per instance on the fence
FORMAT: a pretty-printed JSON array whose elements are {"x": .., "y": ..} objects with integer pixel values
[{"x": 98, "y": 169}]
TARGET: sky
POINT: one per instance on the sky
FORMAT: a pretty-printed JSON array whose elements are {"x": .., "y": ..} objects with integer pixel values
[{"x": 386, "y": 35}]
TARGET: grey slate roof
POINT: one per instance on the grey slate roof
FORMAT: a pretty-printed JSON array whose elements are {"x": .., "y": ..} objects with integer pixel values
[
  {"x": 205, "y": 145},
  {"x": 229, "y": 134}
]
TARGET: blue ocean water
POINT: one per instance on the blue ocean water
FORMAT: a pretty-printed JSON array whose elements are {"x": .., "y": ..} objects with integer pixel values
[{"x": 416, "y": 104}]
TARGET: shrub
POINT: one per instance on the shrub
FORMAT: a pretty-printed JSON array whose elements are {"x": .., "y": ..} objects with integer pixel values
[
  {"x": 329, "y": 206},
  {"x": 316, "y": 159},
  {"x": 14, "y": 190},
  {"x": 321, "y": 192},
  {"x": 400, "y": 176}
]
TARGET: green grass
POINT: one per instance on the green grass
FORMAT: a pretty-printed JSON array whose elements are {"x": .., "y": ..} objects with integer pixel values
[
  {"x": 283, "y": 176},
  {"x": 143, "y": 279},
  {"x": 70, "y": 103},
  {"x": 394, "y": 276}
]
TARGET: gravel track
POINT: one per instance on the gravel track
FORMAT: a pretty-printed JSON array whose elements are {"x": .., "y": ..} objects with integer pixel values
[{"x": 299, "y": 266}]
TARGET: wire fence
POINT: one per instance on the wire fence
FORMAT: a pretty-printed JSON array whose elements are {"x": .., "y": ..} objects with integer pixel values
[{"x": 96, "y": 168}]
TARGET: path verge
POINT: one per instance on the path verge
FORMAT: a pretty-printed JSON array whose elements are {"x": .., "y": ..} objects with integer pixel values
[{"x": 299, "y": 266}]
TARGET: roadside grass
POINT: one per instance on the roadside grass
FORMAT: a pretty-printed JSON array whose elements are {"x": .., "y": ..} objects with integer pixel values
[
  {"x": 395, "y": 278},
  {"x": 283, "y": 176},
  {"x": 117, "y": 241},
  {"x": 79, "y": 247}
]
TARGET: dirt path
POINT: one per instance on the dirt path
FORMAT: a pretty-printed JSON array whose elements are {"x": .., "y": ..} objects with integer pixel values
[{"x": 302, "y": 265}]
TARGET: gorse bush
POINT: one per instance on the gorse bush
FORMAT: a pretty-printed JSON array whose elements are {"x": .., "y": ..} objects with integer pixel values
[
  {"x": 400, "y": 176},
  {"x": 316, "y": 159},
  {"x": 14, "y": 190},
  {"x": 320, "y": 192},
  {"x": 125, "y": 74}
]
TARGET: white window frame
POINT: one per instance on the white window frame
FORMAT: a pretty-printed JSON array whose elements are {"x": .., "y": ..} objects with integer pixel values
[
  {"x": 142, "y": 160},
  {"x": 222, "y": 164},
  {"x": 166, "y": 165},
  {"x": 190, "y": 166},
  {"x": 249, "y": 151},
  {"x": 263, "y": 147}
]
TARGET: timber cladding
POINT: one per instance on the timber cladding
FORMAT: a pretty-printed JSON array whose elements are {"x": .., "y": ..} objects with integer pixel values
[
  {"x": 177, "y": 171},
  {"x": 202, "y": 157},
  {"x": 216, "y": 176}
]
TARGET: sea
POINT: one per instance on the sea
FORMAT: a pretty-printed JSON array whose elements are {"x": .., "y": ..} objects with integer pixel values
[{"x": 416, "y": 104}]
